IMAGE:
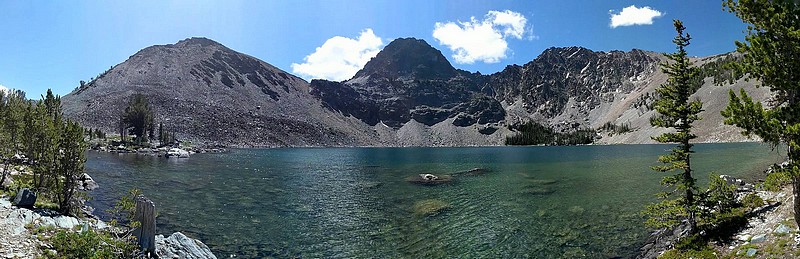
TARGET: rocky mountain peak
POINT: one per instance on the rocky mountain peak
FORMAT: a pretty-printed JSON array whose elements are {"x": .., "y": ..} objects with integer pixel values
[
  {"x": 408, "y": 57},
  {"x": 203, "y": 90},
  {"x": 199, "y": 41}
]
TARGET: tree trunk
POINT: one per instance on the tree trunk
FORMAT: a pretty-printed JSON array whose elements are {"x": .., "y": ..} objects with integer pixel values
[
  {"x": 145, "y": 233},
  {"x": 796, "y": 192},
  {"x": 5, "y": 174}
]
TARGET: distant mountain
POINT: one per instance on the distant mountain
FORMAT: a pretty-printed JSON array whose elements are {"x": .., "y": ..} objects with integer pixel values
[
  {"x": 408, "y": 80},
  {"x": 408, "y": 94},
  {"x": 208, "y": 93}
]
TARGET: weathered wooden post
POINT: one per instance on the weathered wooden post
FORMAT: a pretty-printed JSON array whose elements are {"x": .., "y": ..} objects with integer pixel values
[{"x": 146, "y": 231}]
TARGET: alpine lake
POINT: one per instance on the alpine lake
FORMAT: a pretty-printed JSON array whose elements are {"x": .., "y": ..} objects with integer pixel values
[{"x": 537, "y": 202}]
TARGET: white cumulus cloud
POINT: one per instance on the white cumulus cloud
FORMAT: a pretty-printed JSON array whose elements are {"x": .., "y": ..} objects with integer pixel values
[
  {"x": 482, "y": 40},
  {"x": 339, "y": 58},
  {"x": 633, "y": 15}
]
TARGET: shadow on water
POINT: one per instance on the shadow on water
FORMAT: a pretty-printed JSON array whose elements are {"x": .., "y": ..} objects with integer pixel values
[{"x": 538, "y": 202}]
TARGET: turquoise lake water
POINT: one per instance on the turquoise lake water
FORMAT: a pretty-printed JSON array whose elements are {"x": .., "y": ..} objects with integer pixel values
[{"x": 540, "y": 202}]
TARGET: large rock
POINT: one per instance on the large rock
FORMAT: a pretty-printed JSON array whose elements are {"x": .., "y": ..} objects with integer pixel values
[
  {"x": 662, "y": 240},
  {"x": 783, "y": 229},
  {"x": 429, "y": 179},
  {"x": 65, "y": 222},
  {"x": 178, "y": 245},
  {"x": 87, "y": 183},
  {"x": 25, "y": 198},
  {"x": 18, "y": 218}
]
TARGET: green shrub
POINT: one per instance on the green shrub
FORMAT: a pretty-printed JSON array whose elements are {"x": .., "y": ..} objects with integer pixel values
[
  {"x": 776, "y": 180},
  {"x": 702, "y": 252},
  {"x": 752, "y": 201},
  {"x": 90, "y": 244},
  {"x": 721, "y": 196}
]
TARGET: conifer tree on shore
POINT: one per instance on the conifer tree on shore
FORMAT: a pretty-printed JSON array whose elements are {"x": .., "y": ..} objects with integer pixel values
[
  {"x": 676, "y": 111},
  {"x": 771, "y": 55},
  {"x": 54, "y": 146},
  {"x": 138, "y": 117}
]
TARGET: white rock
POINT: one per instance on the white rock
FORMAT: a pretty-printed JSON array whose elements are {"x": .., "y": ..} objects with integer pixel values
[
  {"x": 5, "y": 203},
  {"x": 744, "y": 238},
  {"x": 178, "y": 245},
  {"x": 66, "y": 222}
]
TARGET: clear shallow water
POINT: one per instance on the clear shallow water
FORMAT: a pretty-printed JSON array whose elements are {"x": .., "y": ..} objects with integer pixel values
[{"x": 543, "y": 202}]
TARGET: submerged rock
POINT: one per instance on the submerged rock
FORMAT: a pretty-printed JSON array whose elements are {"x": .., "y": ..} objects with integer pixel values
[
  {"x": 430, "y": 207},
  {"x": 542, "y": 181},
  {"x": 430, "y": 179},
  {"x": 179, "y": 245},
  {"x": 25, "y": 198},
  {"x": 475, "y": 171},
  {"x": 537, "y": 191}
]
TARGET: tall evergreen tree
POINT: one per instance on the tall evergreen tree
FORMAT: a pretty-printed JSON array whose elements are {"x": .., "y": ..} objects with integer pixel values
[
  {"x": 771, "y": 55},
  {"x": 71, "y": 160},
  {"x": 138, "y": 117},
  {"x": 678, "y": 112}
]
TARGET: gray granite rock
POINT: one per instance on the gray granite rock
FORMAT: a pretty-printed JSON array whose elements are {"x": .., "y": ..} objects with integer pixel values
[
  {"x": 179, "y": 245},
  {"x": 751, "y": 252},
  {"x": 783, "y": 229},
  {"x": 758, "y": 238}
]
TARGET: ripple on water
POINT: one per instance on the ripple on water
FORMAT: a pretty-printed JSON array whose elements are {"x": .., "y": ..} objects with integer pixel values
[{"x": 541, "y": 202}]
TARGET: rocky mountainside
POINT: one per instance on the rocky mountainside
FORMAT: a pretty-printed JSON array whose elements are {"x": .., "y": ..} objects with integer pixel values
[
  {"x": 567, "y": 88},
  {"x": 206, "y": 92},
  {"x": 408, "y": 80},
  {"x": 408, "y": 95}
]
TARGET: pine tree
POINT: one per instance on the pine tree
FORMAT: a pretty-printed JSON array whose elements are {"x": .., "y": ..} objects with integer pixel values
[
  {"x": 71, "y": 160},
  {"x": 162, "y": 138},
  {"x": 771, "y": 55},
  {"x": 138, "y": 117},
  {"x": 677, "y": 112}
]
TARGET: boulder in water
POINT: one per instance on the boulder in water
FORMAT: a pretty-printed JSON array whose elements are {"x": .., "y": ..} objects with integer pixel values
[
  {"x": 87, "y": 183},
  {"x": 177, "y": 152},
  {"x": 430, "y": 179},
  {"x": 430, "y": 207}
]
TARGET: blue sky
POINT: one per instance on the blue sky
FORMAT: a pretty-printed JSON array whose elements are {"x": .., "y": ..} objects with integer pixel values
[{"x": 55, "y": 44}]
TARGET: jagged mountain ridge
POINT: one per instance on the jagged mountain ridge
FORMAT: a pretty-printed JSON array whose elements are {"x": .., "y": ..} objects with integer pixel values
[
  {"x": 408, "y": 80},
  {"x": 408, "y": 95}
]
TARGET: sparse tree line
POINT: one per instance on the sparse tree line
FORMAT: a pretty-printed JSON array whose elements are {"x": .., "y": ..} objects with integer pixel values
[
  {"x": 35, "y": 133},
  {"x": 533, "y": 133},
  {"x": 138, "y": 119}
]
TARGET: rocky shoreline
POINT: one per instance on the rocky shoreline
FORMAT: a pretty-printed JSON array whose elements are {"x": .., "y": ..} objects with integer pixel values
[
  {"x": 770, "y": 232},
  {"x": 20, "y": 236},
  {"x": 159, "y": 152}
]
